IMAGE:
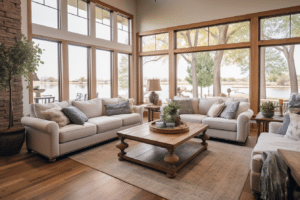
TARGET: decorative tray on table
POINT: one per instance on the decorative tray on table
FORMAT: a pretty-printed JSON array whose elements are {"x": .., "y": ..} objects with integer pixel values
[{"x": 177, "y": 129}]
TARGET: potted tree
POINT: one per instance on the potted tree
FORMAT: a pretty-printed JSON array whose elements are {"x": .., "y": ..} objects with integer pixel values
[{"x": 16, "y": 61}]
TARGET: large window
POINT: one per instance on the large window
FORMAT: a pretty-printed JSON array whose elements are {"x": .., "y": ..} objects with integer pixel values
[
  {"x": 156, "y": 67},
  {"x": 123, "y": 29},
  {"x": 103, "y": 59},
  {"x": 281, "y": 27},
  {"x": 155, "y": 42},
  {"x": 123, "y": 74},
  {"x": 280, "y": 72},
  {"x": 214, "y": 35},
  {"x": 46, "y": 13},
  {"x": 216, "y": 72},
  {"x": 78, "y": 72},
  {"x": 103, "y": 23},
  {"x": 46, "y": 78},
  {"x": 78, "y": 17}
]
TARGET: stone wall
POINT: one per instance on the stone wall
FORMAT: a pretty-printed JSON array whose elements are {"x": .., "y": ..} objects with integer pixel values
[{"x": 10, "y": 27}]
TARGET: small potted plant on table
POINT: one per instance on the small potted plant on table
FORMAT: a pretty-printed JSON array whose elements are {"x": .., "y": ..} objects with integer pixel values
[
  {"x": 170, "y": 115},
  {"x": 267, "y": 109},
  {"x": 15, "y": 62}
]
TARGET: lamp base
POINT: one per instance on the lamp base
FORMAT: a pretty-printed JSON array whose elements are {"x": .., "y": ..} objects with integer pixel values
[{"x": 152, "y": 97}]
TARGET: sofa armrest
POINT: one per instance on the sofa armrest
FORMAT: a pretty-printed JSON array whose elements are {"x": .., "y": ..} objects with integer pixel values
[
  {"x": 139, "y": 110},
  {"x": 274, "y": 126},
  {"x": 40, "y": 124},
  {"x": 243, "y": 125}
]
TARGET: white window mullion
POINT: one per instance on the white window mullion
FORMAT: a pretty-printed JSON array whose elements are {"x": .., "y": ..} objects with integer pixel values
[
  {"x": 64, "y": 16},
  {"x": 92, "y": 20}
]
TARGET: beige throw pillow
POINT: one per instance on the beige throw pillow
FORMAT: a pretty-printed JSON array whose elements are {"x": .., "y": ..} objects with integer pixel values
[
  {"x": 131, "y": 103},
  {"x": 215, "y": 110},
  {"x": 91, "y": 108},
  {"x": 39, "y": 108},
  {"x": 244, "y": 106},
  {"x": 56, "y": 115}
]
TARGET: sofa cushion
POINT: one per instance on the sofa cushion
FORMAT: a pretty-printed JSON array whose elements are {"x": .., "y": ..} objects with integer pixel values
[
  {"x": 74, "y": 131},
  {"x": 272, "y": 142},
  {"x": 194, "y": 101},
  {"x": 243, "y": 107},
  {"x": 91, "y": 108},
  {"x": 129, "y": 119},
  {"x": 185, "y": 106},
  {"x": 230, "y": 110},
  {"x": 105, "y": 123},
  {"x": 194, "y": 118},
  {"x": 56, "y": 115},
  {"x": 40, "y": 108},
  {"x": 108, "y": 101},
  {"x": 221, "y": 123},
  {"x": 293, "y": 131},
  {"x": 205, "y": 104},
  {"x": 117, "y": 108},
  {"x": 215, "y": 110}
]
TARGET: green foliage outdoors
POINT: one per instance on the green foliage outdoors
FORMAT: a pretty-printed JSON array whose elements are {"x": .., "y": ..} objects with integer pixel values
[
  {"x": 123, "y": 78},
  {"x": 170, "y": 112},
  {"x": 267, "y": 107},
  {"x": 17, "y": 61}
]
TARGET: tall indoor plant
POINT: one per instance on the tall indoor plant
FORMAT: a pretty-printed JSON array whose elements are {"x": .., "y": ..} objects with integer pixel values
[{"x": 16, "y": 61}]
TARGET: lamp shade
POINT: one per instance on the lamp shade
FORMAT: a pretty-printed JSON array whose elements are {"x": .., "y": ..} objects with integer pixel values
[
  {"x": 153, "y": 85},
  {"x": 35, "y": 77}
]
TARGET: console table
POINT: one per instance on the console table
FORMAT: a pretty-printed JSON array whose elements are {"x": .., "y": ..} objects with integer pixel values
[
  {"x": 292, "y": 160},
  {"x": 151, "y": 110}
]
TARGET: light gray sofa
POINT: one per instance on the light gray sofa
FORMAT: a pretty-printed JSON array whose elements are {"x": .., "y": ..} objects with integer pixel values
[
  {"x": 236, "y": 129},
  {"x": 268, "y": 142},
  {"x": 46, "y": 138}
]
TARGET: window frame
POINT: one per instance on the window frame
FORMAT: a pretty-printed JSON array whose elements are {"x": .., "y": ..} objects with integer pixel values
[
  {"x": 110, "y": 26},
  {"x": 129, "y": 29},
  {"x": 88, "y": 17},
  {"x": 155, "y": 35}
]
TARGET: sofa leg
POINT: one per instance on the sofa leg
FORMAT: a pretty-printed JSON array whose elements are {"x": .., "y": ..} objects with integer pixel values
[
  {"x": 52, "y": 160},
  {"x": 29, "y": 150}
]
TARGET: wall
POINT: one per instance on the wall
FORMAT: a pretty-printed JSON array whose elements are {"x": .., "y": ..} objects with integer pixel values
[
  {"x": 10, "y": 27},
  {"x": 153, "y": 15}
]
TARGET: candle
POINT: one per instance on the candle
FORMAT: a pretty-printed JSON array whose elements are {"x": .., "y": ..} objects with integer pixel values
[{"x": 281, "y": 102}]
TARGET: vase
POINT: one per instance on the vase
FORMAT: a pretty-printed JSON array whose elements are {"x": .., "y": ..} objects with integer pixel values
[
  {"x": 177, "y": 120},
  {"x": 268, "y": 114},
  {"x": 11, "y": 141}
]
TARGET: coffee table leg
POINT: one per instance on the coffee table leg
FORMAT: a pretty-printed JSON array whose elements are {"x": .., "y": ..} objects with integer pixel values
[
  {"x": 171, "y": 159},
  {"x": 122, "y": 146},
  {"x": 204, "y": 137}
]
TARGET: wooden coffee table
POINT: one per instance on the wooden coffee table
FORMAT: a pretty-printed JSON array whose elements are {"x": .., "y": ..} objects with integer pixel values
[{"x": 163, "y": 152}]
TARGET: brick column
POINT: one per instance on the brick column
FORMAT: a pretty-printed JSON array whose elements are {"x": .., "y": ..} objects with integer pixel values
[{"x": 10, "y": 27}]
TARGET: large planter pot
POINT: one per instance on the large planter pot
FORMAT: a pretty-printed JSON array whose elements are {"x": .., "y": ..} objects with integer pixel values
[
  {"x": 11, "y": 141},
  {"x": 268, "y": 114}
]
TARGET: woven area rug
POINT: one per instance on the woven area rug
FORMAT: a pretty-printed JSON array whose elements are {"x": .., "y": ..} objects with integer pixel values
[{"x": 218, "y": 173}]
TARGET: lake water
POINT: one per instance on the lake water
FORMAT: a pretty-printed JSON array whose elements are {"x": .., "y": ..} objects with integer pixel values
[{"x": 104, "y": 91}]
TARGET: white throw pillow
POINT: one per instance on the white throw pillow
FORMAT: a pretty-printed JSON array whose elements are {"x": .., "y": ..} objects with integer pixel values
[
  {"x": 56, "y": 115},
  {"x": 205, "y": 104},
  {"x": 293, "y": 131},
  {"x": 131, "y": 102},
  {"x": 91, "y": 108},
  {"x": 244, "y": 106},
  {"x": 39, "y": 108},
  {"x": 215, "y": 110}
]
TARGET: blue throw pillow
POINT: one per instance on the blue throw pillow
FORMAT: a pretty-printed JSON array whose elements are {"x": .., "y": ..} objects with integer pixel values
[
  {"x": 75, "y": 115},
  {"x": 117, "y": 108},
  {"x": 230, "y": 109},
  {"x": 283, "y": 128}
]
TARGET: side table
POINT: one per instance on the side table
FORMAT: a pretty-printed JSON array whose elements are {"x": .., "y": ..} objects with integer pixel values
[
  {"x": 151, "y": 110},
  {"x": 292, "y": 160},
  {"x": 260, "y": 119}
]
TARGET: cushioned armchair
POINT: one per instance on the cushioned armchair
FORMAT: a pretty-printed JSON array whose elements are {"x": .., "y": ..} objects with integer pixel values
[{"x": 48, "y": 139}]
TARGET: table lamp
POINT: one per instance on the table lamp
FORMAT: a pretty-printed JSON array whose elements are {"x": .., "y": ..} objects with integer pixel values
[{"x": 153, "y": 85}]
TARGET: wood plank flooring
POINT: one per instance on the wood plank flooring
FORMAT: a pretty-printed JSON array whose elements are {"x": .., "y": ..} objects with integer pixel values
[{"x": 30, "y": 176}]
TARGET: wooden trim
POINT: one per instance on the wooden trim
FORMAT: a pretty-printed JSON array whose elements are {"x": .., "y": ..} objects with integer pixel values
[
  {"x": 214, "y": 48},
  {"x": 112, "y": 8},
  {"x": 139, "y": 67},
  {"x": 154, "y": 53},
  {"x": 78, "y": 43},
  {"x": 93, "y": 74},
  {"x": 287, "y": 41},
  {"x": 172, "y": 68},
  {"x": 115, "y": 75},
  {"x": 65, "y": 71},
  {"x": 254, "y": 85},
  {"x": 224, "y": 20},
  {"x": 132, "y": 73},
  {"x": 29, "y": 32}
]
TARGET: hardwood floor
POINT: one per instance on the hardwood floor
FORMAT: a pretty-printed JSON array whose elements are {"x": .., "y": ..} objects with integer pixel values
[{"x": 30, "y": 176}]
